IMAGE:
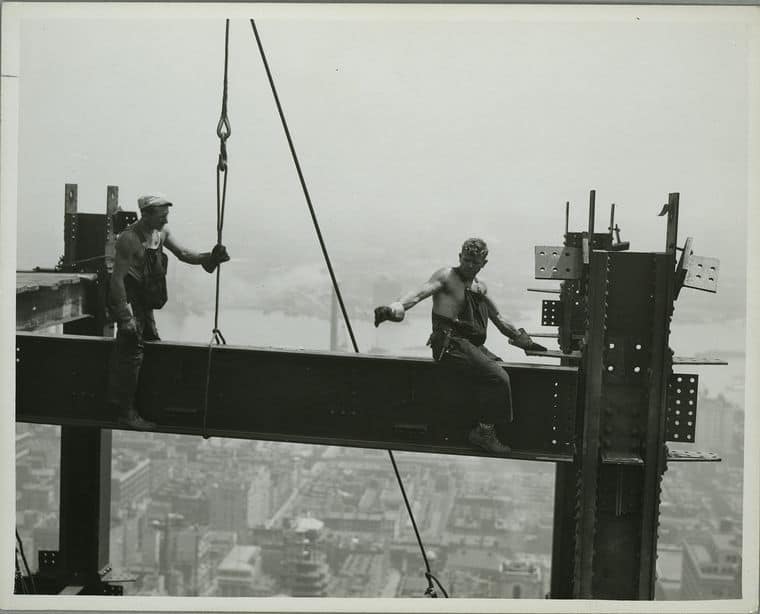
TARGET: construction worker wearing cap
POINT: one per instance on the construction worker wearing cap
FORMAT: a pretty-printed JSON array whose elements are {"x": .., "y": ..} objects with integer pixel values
[
  {"x": 137, "y": 287},
  {"x": 460, "y": 314}
]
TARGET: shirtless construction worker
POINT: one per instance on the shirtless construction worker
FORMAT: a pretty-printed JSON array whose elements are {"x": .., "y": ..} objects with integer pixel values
[
  {"x": 138, "y": 286},
  {"x": 461, "y": 310}
]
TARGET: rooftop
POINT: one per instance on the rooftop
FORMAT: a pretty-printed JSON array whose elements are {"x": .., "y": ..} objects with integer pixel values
[
  {"x": 240, "y": 559},
  {"x": 669, "y": 559}
]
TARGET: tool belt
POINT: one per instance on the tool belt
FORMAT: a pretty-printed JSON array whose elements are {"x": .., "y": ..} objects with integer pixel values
[{"x": 440, "y": 341}]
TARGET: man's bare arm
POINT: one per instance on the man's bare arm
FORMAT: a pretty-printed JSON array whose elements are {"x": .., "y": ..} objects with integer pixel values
[
  {"x": 395, "y": 311},
  {"x": 432, "y": 286},
  {"x": 517, "y": 336},
  {"x": 181, "y": 252},
  {"x": 505, "y": 327}
]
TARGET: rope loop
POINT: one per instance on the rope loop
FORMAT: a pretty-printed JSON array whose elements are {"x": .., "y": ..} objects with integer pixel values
[
  {"x": 218, "y": 337},
  {"x": 223, "y": 129},
  {"x": 430, "y": 591}
]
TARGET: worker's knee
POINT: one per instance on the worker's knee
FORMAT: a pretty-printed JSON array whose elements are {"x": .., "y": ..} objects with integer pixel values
[{"x": 496, "y": 375}]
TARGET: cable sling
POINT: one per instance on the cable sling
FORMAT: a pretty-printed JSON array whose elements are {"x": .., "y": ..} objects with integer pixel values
[
  {"x": 430, "y": 591},
  {"x": 223, "y": 131},
  {"x": 20, "y": 549}
]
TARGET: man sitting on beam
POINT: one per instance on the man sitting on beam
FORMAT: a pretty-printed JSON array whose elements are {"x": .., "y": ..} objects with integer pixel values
[{"x": 460, "y": 313}]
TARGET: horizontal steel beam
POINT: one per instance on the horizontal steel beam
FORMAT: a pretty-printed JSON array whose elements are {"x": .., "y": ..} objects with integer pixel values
[
  {"x": 308, "y": 397},
  {"x": 47, "y": 299}
]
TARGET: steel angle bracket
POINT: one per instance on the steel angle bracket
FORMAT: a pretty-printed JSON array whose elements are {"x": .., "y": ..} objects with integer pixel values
[
  {"x": 702, "y": 273},
  {"x": 681, "y": 417},
  {"x": 698, "y": 272},
  {"x": 557, "y": 262},
  {"x": 693, "y": 456}
]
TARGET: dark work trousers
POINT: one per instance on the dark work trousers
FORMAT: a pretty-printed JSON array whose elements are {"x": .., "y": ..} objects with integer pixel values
[
  {"x": 127, "y": 356},
  {"x": 478, "y": 365}
]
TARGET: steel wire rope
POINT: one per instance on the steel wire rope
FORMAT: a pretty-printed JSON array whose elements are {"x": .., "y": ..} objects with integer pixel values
[
  {"x": 430, "y": 591},
  {"x": 19, "y": 578},
  {"x": 223, "y": 131},
  {"x": 26, "y": 564}
]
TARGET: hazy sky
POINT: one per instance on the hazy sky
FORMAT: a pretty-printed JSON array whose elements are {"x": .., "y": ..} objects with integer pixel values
[{"x": 414, "y": 130}]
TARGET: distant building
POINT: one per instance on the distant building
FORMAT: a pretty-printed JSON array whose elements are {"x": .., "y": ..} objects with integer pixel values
[
  {"x": 183, "y": 497},
  {"x": 160, "y": 467},
  {"x": 240, "y": 575},
  {"x": 358, "y": 522},
  {"x": 126, "y": 537},
  {"x": 305, "y": 570},
  {"x": 216, "y": 545},
  {"x": 711, "y": 568},
  {"x": 669, "y": 572},
  {"x": 260, "y": 498},
  {"x": 228, "y": 507},
  {"x": 520, "y": 580},
  {"x": 191, "y": 559},
  {"x": 715, "y": 424},
  {"x": 361, "y": 574},
  {"x": 130, "y": 482}
]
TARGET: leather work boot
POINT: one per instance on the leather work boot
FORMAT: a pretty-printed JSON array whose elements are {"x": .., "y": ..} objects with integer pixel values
[
  {"x": 131, "y": 418},
  {"x": 485, "y": 437}
]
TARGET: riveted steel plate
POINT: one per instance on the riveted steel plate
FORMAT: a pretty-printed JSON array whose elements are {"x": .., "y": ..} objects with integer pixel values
[
  {"x": 702, "y": 273},
  {"x": 550, "y": 312},
  {"x": 681, "y": 419},
  {"x": 557, "y": 262},
  {"x": 47, "y": 559}
]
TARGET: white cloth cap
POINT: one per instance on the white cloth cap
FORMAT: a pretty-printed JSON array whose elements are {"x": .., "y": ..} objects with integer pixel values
[{"x": 152, "y": 200}]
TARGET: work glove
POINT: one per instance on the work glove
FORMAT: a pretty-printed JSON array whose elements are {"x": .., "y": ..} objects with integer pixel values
[
  {"x": 524, "y": 342},
  {"x": 213, "y": 259},
  {"x": 393, "y": 312}
]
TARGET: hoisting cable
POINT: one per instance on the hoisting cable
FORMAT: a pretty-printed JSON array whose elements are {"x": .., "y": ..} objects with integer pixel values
[
  {"x": 430, "y": 591},
  {"x": 20, "y": 577},
  {"x": 223, "y": 131},
  {"x": 26, "y": 564}
]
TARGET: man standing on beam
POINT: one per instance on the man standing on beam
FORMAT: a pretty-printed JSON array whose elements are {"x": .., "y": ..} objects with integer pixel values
[
  {"x": 138, "y": 286},
  {"x": 460, "y": 314}
]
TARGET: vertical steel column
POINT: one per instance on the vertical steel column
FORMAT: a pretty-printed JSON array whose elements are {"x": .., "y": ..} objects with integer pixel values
[
  {"x": 655, "y": 453},
  {"x": 112, "y": 206},
  {"x": 70, "y": 223},
  {"x": 567, "y": 477},
  {"x": 563, "y": 533},
  {"x": 85, "y": 480},
  {"x": 85, "y": 502},
  {"x": 589, "y": 454}
]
